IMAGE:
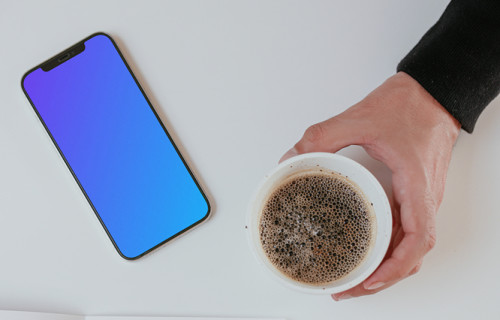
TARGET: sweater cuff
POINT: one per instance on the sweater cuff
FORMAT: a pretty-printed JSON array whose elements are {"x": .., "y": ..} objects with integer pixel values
[{"x": 458, "y": 60}]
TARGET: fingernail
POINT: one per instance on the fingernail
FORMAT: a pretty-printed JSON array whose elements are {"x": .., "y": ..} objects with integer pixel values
[
  {"x": 345, "y": 296},
  {"x": 338, "y": 297},
  {"x": 290, "y": 153},
  {"x": 375, "y": 285}
]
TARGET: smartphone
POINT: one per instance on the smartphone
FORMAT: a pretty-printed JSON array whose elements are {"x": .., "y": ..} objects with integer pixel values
[{"x": 117, "y": 149}]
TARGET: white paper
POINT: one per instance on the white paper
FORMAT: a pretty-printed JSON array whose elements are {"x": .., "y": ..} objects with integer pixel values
[
  {"x": 171, "y": 318},
  {"x": 24, "y": 315}
]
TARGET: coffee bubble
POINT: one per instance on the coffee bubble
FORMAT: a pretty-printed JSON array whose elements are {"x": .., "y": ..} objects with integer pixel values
[{"x": 316, "y": 227}]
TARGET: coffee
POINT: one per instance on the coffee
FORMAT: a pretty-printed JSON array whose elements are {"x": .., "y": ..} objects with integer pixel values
[{"x": 316, "y": 227}]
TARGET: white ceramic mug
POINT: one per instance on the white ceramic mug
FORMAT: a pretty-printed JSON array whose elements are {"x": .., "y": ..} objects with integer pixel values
[{"x": 356, "y": 173}]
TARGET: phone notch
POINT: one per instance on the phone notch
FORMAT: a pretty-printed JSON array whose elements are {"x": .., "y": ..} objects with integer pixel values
[{"x": 63, "y": 56}]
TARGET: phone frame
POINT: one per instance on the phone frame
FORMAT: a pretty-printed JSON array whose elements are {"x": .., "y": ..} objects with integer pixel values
[{"x": 53, "y": 63}]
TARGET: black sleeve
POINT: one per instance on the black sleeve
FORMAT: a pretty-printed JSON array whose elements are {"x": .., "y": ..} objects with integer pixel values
[{"x": 458, "y": 60}]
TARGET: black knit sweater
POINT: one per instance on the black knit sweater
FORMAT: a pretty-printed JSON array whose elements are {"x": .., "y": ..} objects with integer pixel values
[{"x": 458, "y": 60}]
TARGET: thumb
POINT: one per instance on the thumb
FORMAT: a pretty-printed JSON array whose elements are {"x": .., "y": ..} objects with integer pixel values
[{"x": 331, "y": 135}]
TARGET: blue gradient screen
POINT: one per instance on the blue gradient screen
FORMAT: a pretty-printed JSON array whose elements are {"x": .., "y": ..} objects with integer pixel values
[{"x": 116, "y": 147}]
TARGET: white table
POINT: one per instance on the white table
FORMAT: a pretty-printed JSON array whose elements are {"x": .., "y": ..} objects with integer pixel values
[{"x": 236, "y": 82}]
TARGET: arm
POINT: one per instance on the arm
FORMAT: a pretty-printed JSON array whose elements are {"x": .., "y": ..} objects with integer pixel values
[{"x": 411, "y": 123}]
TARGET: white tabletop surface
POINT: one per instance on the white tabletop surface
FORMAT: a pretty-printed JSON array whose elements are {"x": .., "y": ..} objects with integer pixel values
[{"x": 237, "y": 83}]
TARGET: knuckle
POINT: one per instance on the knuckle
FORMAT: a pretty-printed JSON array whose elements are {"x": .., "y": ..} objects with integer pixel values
[
  {"x": 430, "y": 240},
  {"x": 430, "y": 203},
  {"x": 416, "y": 269},
  {"x": 315, "y": 133}
]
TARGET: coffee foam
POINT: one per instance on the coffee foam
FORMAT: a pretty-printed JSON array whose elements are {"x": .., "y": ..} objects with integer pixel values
[{"x": 316, "y": 227}]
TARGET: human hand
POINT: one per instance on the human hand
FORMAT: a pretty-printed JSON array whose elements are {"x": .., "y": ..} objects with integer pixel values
[{"x": 402, "y": 125}]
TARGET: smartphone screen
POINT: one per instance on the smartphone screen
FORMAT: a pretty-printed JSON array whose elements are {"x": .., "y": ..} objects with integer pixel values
[{"x": 115, "y": 145}]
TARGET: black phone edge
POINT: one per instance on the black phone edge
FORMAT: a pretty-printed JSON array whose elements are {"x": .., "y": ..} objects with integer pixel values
[{"x": 209, "y": 207}]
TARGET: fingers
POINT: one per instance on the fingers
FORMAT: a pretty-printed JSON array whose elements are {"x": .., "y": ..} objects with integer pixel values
[
  {"x": 328, "y": 136},
  {"x": 393, "y": 270},
  {"x": 405, "y": 260},
  {"x": 416, "y": 233},
  {"x": 358, "y": 291}
]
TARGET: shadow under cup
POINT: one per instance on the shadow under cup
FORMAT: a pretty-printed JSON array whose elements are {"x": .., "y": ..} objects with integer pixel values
[{"x": 354, "y": 172}]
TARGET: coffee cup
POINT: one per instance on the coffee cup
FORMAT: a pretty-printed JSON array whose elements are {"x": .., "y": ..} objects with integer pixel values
[{"x": 348, "y": 174}]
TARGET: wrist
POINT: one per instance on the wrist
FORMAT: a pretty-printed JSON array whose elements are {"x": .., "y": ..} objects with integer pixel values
[{"x": 429, "y": 109}]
